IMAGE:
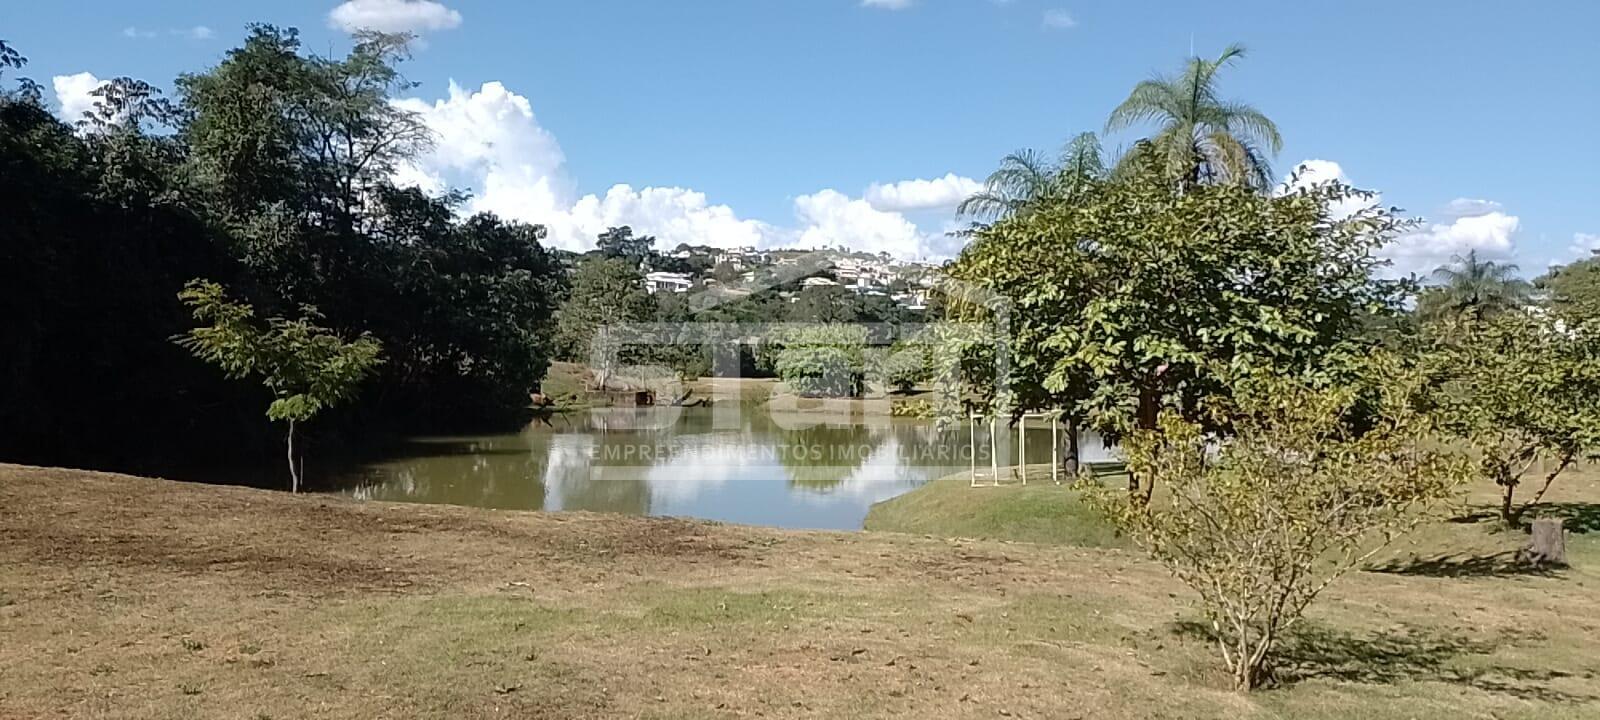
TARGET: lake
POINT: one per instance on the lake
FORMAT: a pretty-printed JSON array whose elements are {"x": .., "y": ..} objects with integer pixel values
[{"x": 794, "y": 471}]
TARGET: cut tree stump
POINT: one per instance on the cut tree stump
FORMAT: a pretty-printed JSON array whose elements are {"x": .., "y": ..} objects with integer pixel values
[{"x": 1547, "y": 544}]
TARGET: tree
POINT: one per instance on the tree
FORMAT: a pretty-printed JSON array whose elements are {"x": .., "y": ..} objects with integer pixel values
[
  {"x": 1027, "y": 177},
  {"x": 1574, "y": 289},
  {"x": 1260, "y": 522},
  {"x": 307, "y": 368},
  {"x": 306, "y": 137},
  {"x": 1134, "y": 298},
  {"x": 1523, "y": 391},
  {"x": 606, "y": 292},
  {"x": 1200, "y": 137},
  {"x": 822, "y": 360},
  {"x": 1472, "y": 284},
  {"x": 620, "y": 242}
]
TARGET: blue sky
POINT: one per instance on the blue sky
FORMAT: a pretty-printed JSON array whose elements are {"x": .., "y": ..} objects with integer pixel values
[{"x": 771, "y": 120}]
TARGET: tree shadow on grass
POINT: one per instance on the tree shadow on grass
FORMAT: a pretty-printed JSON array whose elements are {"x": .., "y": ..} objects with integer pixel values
[
  {"x": 1581, "y": 518},
  {"x": 1501, "y": 564},
  {"x": 1408, "y": 654}
]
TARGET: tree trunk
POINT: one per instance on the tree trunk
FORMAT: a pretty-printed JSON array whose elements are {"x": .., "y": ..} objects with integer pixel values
[
  {"x": 1145, "y": 419},
  {"x": 1508, "y": 513},
  {"x": 1547, "y": 545},
  {"x": 294, "y": 474},
  {"x": 1070, "y": 462}
]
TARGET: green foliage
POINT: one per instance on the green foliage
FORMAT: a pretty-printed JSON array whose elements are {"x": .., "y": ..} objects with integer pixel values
[
  {"x": 1259, "y": 523},
  {"x": 1027, "y": 177},
  {"x": 1523, "y": 390},
  {"x": 271, "y": 175},
  {"x": 620, "y": 242},
  {"x": 606, "y": 291},
  {"x": 907, "y": 365},
  {"x": 1200, "y": 137},
  {"x": 1470, "y": 284},
  {"x": 1574, "y": 289},
  {"x": 307, "y": 368},
  {"x": 822, "y": 360},
  {"x": 1131, "y": 297}
]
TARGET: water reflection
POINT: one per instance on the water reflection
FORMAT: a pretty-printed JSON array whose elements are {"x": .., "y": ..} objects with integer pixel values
[{"x": 781, "y": 471}]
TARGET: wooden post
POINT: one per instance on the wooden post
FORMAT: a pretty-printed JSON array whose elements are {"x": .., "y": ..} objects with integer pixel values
[
  {"x": 1055, "y": 448},
  {"x": 972, "y": 448},
  {"x": 1022, "y": 446},
  {"x": 1547, "y": 544},
  {"x": 994, "y": 452}
]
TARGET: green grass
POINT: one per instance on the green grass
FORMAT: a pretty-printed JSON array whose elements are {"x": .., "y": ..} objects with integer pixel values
[{"x": 1040, "y": 512}]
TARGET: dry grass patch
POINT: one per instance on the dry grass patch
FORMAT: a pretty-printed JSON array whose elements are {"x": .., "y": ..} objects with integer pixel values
[{"x": 138, "y": 598}]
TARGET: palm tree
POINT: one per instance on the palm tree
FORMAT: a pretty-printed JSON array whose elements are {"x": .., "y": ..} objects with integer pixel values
[
  {"x": 1027, "y": 177},
  {"x": 1472, "y": 284},
  {"x": 1200, "y": 136}
]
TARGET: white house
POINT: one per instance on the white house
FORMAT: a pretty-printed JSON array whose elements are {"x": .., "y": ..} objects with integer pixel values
[{"x": 667, "y": 282}]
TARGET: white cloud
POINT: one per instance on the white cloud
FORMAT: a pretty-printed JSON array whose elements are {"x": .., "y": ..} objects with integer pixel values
[
  {"x": 830, "y": 219},
  {"x": 1584, "y": 245},
  {"x": 489, "y": 141},
  {"x": 887, "y": 4},
  {"x": 938, "y": 193},
  {"x": 1468, "y": 207},
  {"x": 1466, "y": 224},
  {"x": 74, "y": 94},
  {"x": 198, "y": 32},
  {"x": 414, "y": 16},
  {"x": 1422, "y": 251},
  {"x": 1058, "y": 19}
]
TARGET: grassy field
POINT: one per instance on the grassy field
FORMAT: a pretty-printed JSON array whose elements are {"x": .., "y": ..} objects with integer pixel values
[
  {"x": 129, "y": 597},
  {"x": 1040, "y": 512}
]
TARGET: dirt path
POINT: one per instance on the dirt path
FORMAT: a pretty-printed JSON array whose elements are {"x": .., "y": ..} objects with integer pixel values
[{"x": 131, "y": 597}]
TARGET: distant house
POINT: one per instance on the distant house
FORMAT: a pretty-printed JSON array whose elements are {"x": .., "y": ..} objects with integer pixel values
[
  {"x": 667, "y": 282},
  {"x": 818, "y": 282}
]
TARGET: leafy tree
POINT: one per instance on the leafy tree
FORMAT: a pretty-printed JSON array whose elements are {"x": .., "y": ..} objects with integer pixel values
[
  {"x": 1259, "y": 523},
  {"x": 1201, "y": 137},
  {"x": 606, "y": 291},
  {"x": 1523, "y": 392},
  {"x": 307, "y": 368},
  {"x": 1135, "y": 298},
  {"x": 306, "y": 137},
  {"x": 1472, "y": 284},
  {"x": 823, "y": 360},
  {"x": 620, "y": 242}
]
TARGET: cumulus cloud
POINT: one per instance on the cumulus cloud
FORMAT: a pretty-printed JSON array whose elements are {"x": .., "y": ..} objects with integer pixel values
[
  {"x": 938, "y": 193},
  {"x": 887, "y": 4},
  {"x": 1058, "y": 19},
  {"x": 74, "y": 94},
  {"x": 1465, "y": 224},
  {"x": 414, "y": 16},
  {"x": 831, "y": 219},
  {"x": 489, "y": 141},
  {"x": 1422, "y": 251}
]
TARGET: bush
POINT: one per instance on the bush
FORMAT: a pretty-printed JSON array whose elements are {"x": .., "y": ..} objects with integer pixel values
[
  {"x": 1261, "y": 522},
  {"x": 822, "y": 360}
]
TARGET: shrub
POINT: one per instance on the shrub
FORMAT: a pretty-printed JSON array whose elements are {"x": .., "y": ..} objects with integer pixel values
[{"x": 1260, "y": 522}]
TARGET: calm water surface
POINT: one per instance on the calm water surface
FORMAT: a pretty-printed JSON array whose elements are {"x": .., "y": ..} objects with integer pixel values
[{"x": 795, "y": 472}]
